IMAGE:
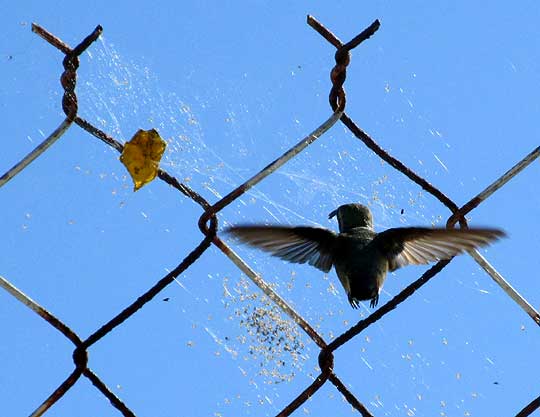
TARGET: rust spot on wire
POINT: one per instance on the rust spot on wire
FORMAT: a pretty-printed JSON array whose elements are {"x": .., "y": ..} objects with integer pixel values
[
  {"x": 338, "y": 74},
  {"x": 530, "y": 408},
  {"x": 68, "y": 79},
  {"x": 49, "y": 37},
  {"x": 58, "y": 393},
  {"x": 304, "y": 396},
  {"x": 99, "y": 134},
  {"x": 114, "y": 400},
  {"x": 352, "y": 400},
  {"x": 326, "y": 361}
]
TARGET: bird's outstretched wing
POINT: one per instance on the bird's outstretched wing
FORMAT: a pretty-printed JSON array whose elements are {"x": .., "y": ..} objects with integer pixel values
[
  {"x": 294, "y": 244},
  {"x": 419, "y": 245}
]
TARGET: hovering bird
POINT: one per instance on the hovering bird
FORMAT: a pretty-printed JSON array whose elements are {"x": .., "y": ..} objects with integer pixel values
[{"x": 362, "y": 257}]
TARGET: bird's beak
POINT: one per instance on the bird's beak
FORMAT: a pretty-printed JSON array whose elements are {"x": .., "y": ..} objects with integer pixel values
[{"x": 333, "y": 214}]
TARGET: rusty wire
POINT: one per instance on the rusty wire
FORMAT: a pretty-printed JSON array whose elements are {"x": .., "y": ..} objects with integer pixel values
[
  {"x": 209, "y": 227},
  {"x": 80, "y": 355}
]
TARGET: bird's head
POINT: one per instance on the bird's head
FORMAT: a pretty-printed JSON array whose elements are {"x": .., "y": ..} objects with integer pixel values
[{"x": 352, "y": 215}]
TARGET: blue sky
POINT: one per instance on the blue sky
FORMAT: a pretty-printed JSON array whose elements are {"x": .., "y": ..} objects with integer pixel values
[{"x": 451, "y": 89}]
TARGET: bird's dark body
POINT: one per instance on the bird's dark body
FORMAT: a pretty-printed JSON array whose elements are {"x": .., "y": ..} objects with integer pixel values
[
  {"x": 362, "y": 258},
  {"x": 360, "y": 265}
]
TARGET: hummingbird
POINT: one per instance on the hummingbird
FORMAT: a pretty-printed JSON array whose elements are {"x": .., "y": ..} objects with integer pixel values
[{"x": 362, "y": 257}]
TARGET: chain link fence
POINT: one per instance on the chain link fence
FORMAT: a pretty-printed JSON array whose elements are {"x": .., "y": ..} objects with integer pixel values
[{"x": 208, "y": 224}]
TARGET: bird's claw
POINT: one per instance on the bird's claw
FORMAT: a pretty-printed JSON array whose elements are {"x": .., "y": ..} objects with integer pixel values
[{"x": 374, "y": 301}]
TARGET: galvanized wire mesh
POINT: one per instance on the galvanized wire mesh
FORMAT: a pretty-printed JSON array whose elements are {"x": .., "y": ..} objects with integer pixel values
[{"x": 208, "y": 225}]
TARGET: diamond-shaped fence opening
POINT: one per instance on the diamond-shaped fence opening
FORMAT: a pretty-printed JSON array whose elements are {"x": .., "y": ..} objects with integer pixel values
[{"x": 208, "y": 224}]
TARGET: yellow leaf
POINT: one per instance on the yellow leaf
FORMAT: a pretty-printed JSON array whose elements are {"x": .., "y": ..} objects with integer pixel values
[{"x": 141, "y": 156}]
